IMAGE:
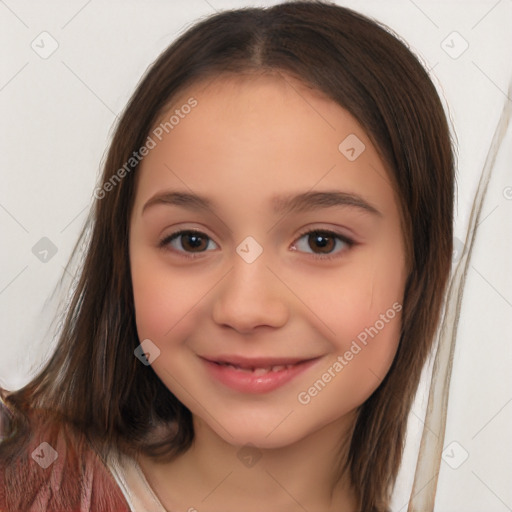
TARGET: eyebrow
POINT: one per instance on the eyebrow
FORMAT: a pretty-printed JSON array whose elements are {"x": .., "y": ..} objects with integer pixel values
[
  {"x": 283, "y": 204},
  {"x": 316, "y": 200},
  {"x": 184, "y": 199}
]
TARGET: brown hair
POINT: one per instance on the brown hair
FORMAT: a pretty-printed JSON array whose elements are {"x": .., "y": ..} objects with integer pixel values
[{"x": 93, "y": 379}]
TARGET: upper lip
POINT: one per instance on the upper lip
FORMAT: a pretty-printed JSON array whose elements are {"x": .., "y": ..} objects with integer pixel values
[{"x": 257, "y": 362}]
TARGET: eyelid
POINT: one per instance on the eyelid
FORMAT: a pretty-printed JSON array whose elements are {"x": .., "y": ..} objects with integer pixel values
[
  {"x": 333, "y": 233},
  {"x": 164, "y": 242}
]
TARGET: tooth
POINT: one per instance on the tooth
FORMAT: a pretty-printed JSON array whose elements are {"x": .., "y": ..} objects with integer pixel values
[
  {"x": 261, "y": 371},
  {"x": 239, "y": 368}
]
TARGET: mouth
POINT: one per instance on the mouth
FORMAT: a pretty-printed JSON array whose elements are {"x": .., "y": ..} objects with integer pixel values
[
  {"x": 256, "y": 375},
  {"x": 257, "y": 369}
]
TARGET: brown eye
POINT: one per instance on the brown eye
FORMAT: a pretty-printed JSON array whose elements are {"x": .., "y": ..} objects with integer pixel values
[
  {"x": 193, "y": 242},
  {"x": 188, "y": 241},
  {"x": 324, "y": 243}
]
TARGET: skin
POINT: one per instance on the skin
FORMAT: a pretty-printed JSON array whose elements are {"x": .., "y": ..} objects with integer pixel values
[{"x": 250, "y": 138}]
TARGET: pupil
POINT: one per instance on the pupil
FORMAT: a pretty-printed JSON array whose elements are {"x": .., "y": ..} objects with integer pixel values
[
  {"x": 194, "y": 242},
  {"x": 322, "y": 242}
]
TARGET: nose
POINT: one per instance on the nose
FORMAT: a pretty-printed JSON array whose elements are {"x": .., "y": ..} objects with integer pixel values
[{"x": 250, "y": 296}]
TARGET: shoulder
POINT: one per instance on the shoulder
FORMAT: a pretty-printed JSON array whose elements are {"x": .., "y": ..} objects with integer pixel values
[{"x": 55, "y": 468}]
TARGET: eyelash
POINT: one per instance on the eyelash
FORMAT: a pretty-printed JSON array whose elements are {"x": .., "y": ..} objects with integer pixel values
[
  {"x": 163, "y": 244},
  {"x": 332, "y": 234}
]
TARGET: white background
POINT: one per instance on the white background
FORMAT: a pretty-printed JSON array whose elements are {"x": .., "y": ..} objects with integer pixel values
[{"x": 56, "y": 120}]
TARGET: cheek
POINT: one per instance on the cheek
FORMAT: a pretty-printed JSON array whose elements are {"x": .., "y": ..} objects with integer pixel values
[
  {"x": 374, "y": 323},
  {"x": 165, "y": 299},
  {"x": 362, "y": 308},
  {"x": 367, "y": 335},
  {"x": 355, "y": 298}
]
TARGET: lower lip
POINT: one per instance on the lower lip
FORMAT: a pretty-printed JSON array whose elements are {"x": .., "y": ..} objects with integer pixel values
[{"x": 248, "y": 382}]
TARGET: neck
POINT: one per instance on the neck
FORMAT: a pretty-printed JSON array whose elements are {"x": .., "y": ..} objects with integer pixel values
[{"x": 214, "y": 476}]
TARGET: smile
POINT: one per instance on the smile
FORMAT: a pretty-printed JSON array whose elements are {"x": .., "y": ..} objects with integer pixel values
[
  {"x": 259, "y": 370},
  {"x": 259, "y": 375}
]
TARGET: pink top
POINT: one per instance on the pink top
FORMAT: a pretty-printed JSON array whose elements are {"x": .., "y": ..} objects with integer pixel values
[{"x": 59, "y": 470}]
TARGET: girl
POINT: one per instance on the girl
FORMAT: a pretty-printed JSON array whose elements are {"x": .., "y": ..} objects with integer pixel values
[{"x": 265, "y": 268}]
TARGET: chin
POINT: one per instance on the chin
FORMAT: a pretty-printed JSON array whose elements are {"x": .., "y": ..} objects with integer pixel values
[{"x": 263, "y": 435}]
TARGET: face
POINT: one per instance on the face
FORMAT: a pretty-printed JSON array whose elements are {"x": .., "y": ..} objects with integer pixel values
[{"x": 267, "y": 260}]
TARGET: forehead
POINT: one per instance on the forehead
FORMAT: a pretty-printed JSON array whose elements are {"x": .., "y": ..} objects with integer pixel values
[{"x": 253, "y": 135}]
